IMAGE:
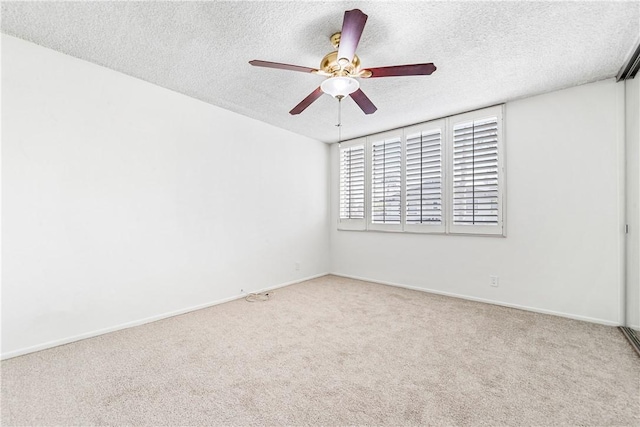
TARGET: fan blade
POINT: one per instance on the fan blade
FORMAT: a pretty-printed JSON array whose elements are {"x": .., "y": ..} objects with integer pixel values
[
  {"x": 401, "y": 70},
  {"x": 352, "y": 27},
  {"x": 363, "y": 102},
  {"x": 306, "y": 102},
  {"x": 267, "y": 64}
]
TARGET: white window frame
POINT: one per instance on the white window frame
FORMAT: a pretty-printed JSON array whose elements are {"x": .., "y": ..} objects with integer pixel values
[
  {"x": 426, "y": 127},
  {"x": 372, "y": 139},
  {"x": 359, "y": 224},
  {"x": 477, "y": 229},
  {"x": 446, "y": 126}
]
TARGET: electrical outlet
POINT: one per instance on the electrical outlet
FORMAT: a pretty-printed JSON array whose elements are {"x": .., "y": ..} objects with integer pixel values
[
  {"x": 297, "y": 265},
  {"x": 494, "y": 281}
]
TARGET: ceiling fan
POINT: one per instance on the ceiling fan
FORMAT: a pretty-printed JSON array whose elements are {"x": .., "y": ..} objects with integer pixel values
[{"x": 342, "y": 67}]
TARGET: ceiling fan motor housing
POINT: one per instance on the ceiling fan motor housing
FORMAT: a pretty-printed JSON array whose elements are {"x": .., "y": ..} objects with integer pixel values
[
  {"x": 331, "y": 66},
  {"x": 334, "y": 68}
]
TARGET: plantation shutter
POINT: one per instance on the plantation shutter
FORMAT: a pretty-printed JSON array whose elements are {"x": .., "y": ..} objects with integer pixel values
[
  {"x": 386, "y": 181},
  {"x": 442, "y": 176},
  {"x": 476, "y": 167},
  {"x": 352, "y": 177},
  {"x": 423, "y": 180}
]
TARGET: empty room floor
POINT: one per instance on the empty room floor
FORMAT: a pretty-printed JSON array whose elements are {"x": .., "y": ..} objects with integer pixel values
[{"x": 334, "y": 351}]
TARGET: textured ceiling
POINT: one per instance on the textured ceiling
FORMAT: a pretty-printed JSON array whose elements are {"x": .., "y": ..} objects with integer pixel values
[{"x": 486, "y": 52}]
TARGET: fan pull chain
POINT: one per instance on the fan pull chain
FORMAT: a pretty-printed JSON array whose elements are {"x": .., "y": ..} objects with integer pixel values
[{"x": 339, "y": 125}]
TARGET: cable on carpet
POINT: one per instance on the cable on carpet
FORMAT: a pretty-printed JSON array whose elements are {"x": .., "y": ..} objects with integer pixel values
[{"x": 259, "y": 297}]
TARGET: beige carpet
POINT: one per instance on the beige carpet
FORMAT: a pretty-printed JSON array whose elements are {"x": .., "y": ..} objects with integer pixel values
[{"x": 334, "y": 351}]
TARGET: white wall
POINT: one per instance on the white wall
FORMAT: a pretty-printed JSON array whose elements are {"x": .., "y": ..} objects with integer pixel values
[
  {"x": 632, "y": 97},
  {"x": 124, "y": 201},
  {"x": 564, "y": 248}
]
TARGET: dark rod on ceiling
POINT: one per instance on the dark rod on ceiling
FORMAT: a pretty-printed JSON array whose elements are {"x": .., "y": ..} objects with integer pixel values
[{"x": 630, "y": 68}]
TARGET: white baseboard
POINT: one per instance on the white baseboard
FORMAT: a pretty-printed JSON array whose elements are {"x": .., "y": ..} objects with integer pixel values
[
  {"x": 56, "y": 343},
  {"x": 485, "y": 300}
]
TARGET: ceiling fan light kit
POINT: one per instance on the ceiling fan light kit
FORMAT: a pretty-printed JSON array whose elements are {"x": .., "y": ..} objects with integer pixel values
[
  {"x": 342, "y": 67},
  {"x": 340, "y": 86}
]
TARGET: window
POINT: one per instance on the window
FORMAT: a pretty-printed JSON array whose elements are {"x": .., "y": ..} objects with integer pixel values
[
  {"x": 424, "y": 180},
  {"x": 352, "y": 184},
  {"x": 476, "y": 164},
  {"x": 386, "y": 182},
  {"x": 443, "y": 176}
]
